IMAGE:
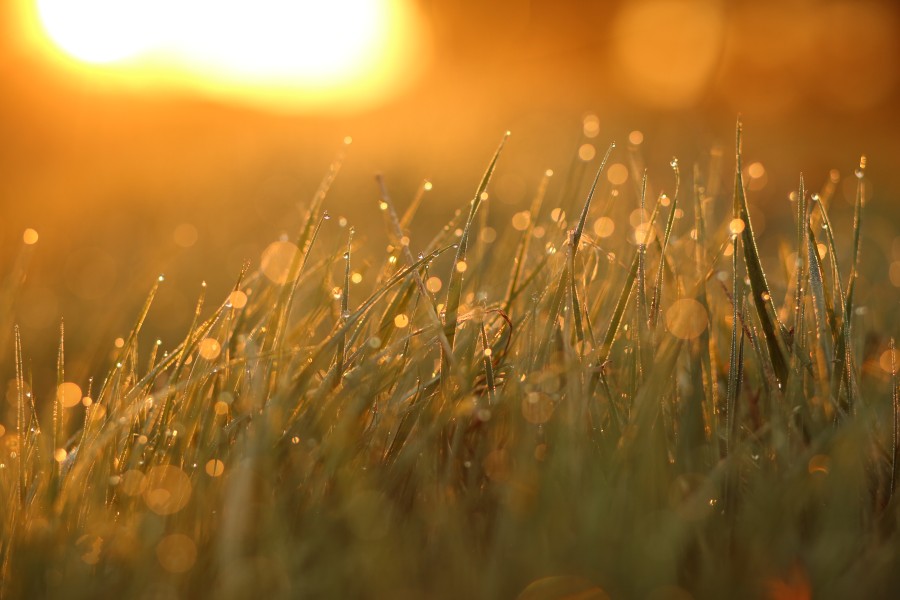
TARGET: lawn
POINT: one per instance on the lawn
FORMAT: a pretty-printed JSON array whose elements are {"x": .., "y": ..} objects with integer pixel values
[{"x": 623, "y": 394}]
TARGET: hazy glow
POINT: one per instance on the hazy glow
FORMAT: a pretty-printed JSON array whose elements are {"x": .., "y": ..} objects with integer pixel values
[
  {"x": 686, "y": 318},
  {"x": 666, "y": 50},
  {"x": 296, "y": 48}
]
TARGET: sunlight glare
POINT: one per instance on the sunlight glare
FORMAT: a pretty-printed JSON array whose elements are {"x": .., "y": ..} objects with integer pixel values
[{"x": 225, "y": 45}]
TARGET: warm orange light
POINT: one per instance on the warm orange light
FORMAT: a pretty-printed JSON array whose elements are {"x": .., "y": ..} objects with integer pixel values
[{"x": 289, "y": 52}]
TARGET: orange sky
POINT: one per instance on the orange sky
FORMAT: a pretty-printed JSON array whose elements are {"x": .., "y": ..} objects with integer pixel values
[{"x": 108, "y": 173}]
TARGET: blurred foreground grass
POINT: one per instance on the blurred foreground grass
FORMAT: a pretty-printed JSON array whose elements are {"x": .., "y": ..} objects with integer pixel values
[{"x": 612, "y": 398}]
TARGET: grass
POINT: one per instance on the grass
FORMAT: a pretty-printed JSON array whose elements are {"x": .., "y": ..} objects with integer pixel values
[{"x": 554, "y": 413}]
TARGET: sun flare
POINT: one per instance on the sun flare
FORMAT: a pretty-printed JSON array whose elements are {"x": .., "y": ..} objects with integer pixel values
[{"x": 265, "y": 47}]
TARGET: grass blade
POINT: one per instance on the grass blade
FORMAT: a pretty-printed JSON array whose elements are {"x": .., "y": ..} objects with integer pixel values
[
  {"x": 454, "y": 289},
  {"x": 773, "y": 332}
]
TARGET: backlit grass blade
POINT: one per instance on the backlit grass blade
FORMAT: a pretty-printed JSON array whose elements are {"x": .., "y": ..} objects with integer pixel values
[
  {"x": 454, "y": 288},
  {"x": 845, "y": 348},
  {"x": 895, "y": 421},
  {"x": 800, "y": 267},
  {"x": 622, "y": 303},
  {"x": 820, "y": 304},
  {"x": 567, "y": 277},
  {"x": 305, "y": 374},
  {"x": 657, "y": 288},
  {"x": 525, "y": 240},
  {"x": 413, "y": 207},
  {"x": 642, "y": 312},
  {"x": 487, "y": 358},
  {"x": 773, "y": 333},
  {"x": 579, "y": 229},
  {"x": 345, "y": 311},
  {"x": 708, "y": 350},
  {"x": 395, "y": 227},
  {"x": 736, "y": 354},
  {"x": 21, "y": 424},
  {"x": 305, "y": 241}
]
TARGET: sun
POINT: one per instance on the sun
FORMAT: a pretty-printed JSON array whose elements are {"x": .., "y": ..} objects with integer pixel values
[{"x": 257, "y": 47}]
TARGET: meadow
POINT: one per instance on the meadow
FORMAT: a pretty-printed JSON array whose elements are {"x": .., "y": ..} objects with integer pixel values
[{"x": 617, "y": 394}]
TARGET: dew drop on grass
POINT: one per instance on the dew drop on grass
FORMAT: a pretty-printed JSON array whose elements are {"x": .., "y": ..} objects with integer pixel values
[
  {"x": 215, "y": 467},
  {"x": 736, "y": 226},
  {"x": 237, "y": 299},
  {"x": 382, "y": 205},
  {"x": 326, "y": 216},
  {"x": 686, "y": 318},
  {"x": 401, "y": 321},
  {"x": 674, "y": 162},
  {"x": 69, "y": 394},
  {"x": 209, "y": 348}
]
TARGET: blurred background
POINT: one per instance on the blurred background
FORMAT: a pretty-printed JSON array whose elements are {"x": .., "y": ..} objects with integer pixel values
[{"x": 137, "y": 142}]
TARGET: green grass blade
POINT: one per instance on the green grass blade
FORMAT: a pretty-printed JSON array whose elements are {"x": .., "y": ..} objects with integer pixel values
[
  {"x": 773, "y": 332},
  {"x": 657, "y": 288},
  {"x": 525, "y": 241},
  {"x": 454, "y": 288}
]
